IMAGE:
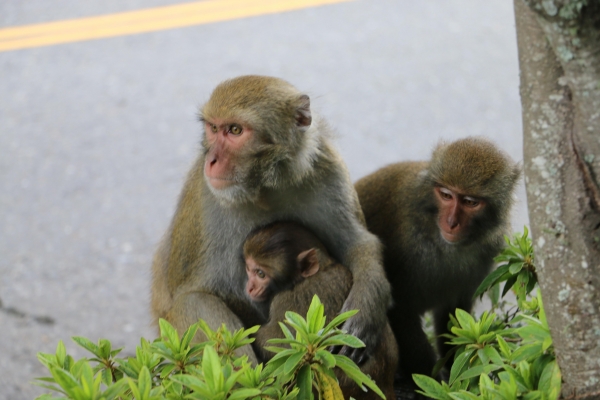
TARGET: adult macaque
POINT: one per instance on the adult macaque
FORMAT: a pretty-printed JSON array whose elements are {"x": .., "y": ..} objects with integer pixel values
[
  {"x": 265, "y": 156},
  {"x": 286, "y": 265},
  {"x": 441, "y": 223}
]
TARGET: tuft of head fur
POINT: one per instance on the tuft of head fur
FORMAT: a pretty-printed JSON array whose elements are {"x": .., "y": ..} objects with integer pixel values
[
  {"x": 267, "y": 104},
  {"x": 476, "y": 167},
  {"x": 279, "y": 244}
]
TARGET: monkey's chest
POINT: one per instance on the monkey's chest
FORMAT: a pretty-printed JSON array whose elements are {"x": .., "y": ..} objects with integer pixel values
[{"x": 438, "y": 283}]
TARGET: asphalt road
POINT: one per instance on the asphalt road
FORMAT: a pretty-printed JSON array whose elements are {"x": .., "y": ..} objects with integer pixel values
[{"x": 97, "y": 136}]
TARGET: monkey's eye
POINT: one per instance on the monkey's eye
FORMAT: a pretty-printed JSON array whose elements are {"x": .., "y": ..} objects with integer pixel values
[
  {"x": 235, "y": 129},
  {"x": 260, "y": 273},
  {"x": 445, "y": 194},
  {"x": 213, "y": 128},
  {"x": 470, "y": 202}
]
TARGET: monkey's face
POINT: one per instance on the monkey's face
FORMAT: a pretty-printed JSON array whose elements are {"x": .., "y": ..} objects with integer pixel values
[
  {"x": 456, "y": 212},
  {"x": 224, "y": 141},
  {"x": 255, "y": 137},
  {"x": 258, "y": 287}
]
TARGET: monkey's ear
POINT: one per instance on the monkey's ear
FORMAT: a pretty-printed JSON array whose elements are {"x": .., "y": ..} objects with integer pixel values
[
  {"x": 303, "y": 115},
  {"x": 309, "y": 262}
]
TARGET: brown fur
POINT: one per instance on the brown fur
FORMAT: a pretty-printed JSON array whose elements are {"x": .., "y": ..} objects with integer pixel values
[
  {"x": 426, "y": 272},
  {"x": 288, "y": 170},
  {"x": 278, "y": 246}
]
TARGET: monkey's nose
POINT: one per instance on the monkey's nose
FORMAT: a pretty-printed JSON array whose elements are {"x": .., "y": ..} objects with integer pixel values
[{"x": 452, "y": 222}]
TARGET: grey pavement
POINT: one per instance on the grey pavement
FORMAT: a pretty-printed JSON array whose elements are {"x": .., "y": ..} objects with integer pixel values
[{"x": 96, "y": 138}]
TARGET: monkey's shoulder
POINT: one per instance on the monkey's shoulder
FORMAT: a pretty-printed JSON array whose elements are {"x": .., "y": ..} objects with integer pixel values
[
  {"x": 385, "y": 195},
  {"x": 389, "y": 180}
]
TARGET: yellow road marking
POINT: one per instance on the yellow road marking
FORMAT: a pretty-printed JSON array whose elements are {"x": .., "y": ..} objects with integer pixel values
[{"x": 149, "y": 20}]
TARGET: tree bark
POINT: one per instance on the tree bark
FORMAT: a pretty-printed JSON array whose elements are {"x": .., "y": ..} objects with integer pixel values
[{"x": 559, "y": 58}]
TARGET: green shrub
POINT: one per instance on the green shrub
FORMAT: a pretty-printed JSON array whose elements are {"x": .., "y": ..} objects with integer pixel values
[
  {"x": 507, "y": 355},
  {"x": 174, "y": 368}
]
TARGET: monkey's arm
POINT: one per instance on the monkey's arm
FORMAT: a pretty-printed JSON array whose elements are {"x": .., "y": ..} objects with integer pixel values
[
  {"x": 349, "y": 241},
  {"x": 370, "y": 294}
]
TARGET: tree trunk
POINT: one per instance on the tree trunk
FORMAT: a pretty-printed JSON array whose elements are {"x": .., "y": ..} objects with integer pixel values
[{"x": 559, "y": 58}]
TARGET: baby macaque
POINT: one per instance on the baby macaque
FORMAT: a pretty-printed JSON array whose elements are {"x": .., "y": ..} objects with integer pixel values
[{"x": 286, "y": 266}]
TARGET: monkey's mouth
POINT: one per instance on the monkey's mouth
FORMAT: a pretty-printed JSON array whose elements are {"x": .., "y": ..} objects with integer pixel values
[
  {"x": 451, "y": 238},
  {"x": 220, "y": 183},
  {"x": 259, "y": 298}
]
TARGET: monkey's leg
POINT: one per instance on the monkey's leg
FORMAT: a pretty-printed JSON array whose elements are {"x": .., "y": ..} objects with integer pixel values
[
  {"x": 415, "y": 352},
  {"x": 188, "y": 308}
]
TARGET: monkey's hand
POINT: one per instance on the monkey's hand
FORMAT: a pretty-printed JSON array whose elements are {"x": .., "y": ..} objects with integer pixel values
[
  {"x": 369, "y": 322},
  {"x": 359, "y": 355},
  {"x": 370, "y": 295}
]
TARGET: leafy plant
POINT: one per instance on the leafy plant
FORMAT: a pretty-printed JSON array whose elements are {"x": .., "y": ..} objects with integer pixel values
[
  {"x": 516, "y": 268},
  {"x": 308, "y": 358},
  {"x": 506, "y": 357},
  {"x": 175, "y": 368}
]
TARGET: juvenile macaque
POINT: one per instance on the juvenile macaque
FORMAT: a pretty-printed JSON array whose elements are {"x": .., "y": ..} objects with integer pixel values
[
  {"x": 441, "y": 223},
  {"x": 265, "y": 157},
  {"x": 286, "y": 265}
]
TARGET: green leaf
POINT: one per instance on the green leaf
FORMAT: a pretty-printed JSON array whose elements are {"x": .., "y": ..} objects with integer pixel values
[
  {"x": 286, "y": 331},
  {"x": 339, "y": 320},
  {"x": 491, "y": 279},
  {"x": 532, "y": 281},
  {"x": 343, "y": 339},
  {"x": 493, "y": 355},
  {"x": 315, "y": 315},
  {"x": 167, "y": 370},
  {"x": 478, "y": 370},
  {"x": 326, "y": 358},
  {"x": 168, "y": 332},
  {"x": 134, "y": 389},
  {"x": 431, "y": 387},
  {"x": 353, "y": 372},
  {"x": 293, "y": 361},
  {"x": 64, "y": 379},
  {"x": 211, "y": 367},
  {"x": 304, "y": 382},
  {"x": 105, "y": 349},
  {"x": 87, "y": 344},
  {"x": 510, "y": 282},
  {"x": 188, "y": 336},
  {"x": 465, "y": 319},
  {"x": 515, "y": 268},
  {"x": 61, "y": 354},
  {"x": 486, "y": 321},
  {"x": 241, "y": 394},
  {"x": 191, "y": 382},
  {"x": 463, "y": 396},
  {"x": 298, "y": 323},
  {"x": 482, "y": 356},
  {"x": 550, "y": 380},
  {"x": 115, "y": 390},
  {"x": 144, "y": 382},
  {"x": 494, "y": 295},
  {"x": 460, "y": 364},
  {"x": 486, "y": 338},
  {"x": 106, "y": 376},
  {"x": 527, "y": 352},
  {"x": 534, "y": 331},
  {"x": 504, "y": 347},
  {"x": 521, "y": 285},
  {"x": 465, "y": 333},
  {"x": 282, "y": 341}
]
